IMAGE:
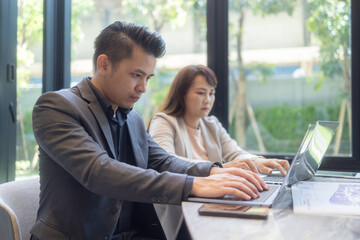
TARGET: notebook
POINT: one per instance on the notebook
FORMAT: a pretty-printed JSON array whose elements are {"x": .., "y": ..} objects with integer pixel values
[{"x": 303, "y": 167}]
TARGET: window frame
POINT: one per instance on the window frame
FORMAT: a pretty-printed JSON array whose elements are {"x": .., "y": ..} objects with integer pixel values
[
  {"x": 8, "y": 32},
  {"x": 56, "y": 45},
  {"x": 217, "y": 52},
  {"x": 217, "y": 58}
]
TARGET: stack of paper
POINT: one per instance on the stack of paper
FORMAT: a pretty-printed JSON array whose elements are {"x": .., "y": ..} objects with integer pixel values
[{"x": 326, "y": 198}]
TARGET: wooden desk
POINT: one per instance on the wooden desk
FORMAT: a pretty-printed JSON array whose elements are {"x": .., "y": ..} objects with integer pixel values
[{"x": 282, "y": 223}]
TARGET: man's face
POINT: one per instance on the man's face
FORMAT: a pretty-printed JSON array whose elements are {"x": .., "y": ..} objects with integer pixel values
[{"x": 124, "y": 82}]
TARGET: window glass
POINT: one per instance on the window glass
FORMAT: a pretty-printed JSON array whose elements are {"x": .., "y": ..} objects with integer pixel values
[
  {"x": 29, "y": 82},
  {"x": 181, "y": 23},
  {"x": 289, "y": 67}
]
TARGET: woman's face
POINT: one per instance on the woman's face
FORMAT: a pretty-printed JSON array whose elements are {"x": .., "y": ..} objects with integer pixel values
[{"x": 199, "y": 99}]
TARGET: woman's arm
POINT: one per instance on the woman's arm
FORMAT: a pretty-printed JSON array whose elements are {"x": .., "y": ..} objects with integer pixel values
[
  {"x": 230, "y": 149},
  {"x": 164, "y": 129},
  {"x": 235, "y": 156}
]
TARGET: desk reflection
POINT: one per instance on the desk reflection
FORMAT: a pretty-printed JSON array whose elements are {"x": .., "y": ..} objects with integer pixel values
[{"x": 281, "y": 223}]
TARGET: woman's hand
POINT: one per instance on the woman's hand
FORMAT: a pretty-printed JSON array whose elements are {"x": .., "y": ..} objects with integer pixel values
[
  {"x": 260, "y": 164},
  {"x": 246, "y": 164},
  {"x": 266, "y": 165}
]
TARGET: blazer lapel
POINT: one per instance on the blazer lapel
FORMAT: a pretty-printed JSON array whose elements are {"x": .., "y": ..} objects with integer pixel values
[
  {"x": 185, "y": 135},
  {"x": 212, "y": 149},
  {"x": 137, "y": 139},
  {"x": 95, "y": 108}
]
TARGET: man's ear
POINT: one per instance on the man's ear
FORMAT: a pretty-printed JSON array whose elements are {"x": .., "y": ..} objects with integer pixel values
[{"x": 103, "y": 64}]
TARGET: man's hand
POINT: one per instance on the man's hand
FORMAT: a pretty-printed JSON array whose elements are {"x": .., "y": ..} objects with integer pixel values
[
  {"x": 229, "y": 181},
  {"x": 248, "y": 175}
]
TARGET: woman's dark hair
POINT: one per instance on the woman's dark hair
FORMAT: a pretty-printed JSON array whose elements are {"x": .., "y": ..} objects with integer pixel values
[
  {"x": 174, "y": 103},
  {"x": 118, "y": 40}
]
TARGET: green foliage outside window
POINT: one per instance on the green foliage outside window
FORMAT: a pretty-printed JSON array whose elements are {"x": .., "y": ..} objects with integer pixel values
[
  {"x": 29, "y": 40},
  {"x": 283, "y": 127}
]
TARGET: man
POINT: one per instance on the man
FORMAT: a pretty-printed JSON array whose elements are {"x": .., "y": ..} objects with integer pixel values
[{"x": 99, "y": 169}]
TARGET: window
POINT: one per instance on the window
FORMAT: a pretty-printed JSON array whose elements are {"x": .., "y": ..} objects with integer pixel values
[
  {"x": 289, "y": 65},
  {"x": 181, "y": 23},
  {"x": 288, "y": 83},
  {"x": 29, "y": 82}
]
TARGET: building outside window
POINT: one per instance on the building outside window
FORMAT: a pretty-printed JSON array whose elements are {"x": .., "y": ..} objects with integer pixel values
[
  {"x": 289, "y": 66},
  {"x": 181, "y": 23}
]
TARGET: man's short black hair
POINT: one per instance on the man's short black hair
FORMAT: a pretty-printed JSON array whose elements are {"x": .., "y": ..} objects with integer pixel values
[{"x": 118, "y": 40}]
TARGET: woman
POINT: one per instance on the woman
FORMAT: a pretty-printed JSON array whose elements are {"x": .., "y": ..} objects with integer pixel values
[{"x": 184, "y": 129}]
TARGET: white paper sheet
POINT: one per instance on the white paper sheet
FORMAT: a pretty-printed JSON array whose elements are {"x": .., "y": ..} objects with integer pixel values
[{"x": 326, "y": 198}]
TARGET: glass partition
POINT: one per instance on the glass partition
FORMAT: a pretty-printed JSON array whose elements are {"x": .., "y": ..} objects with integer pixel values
[
  {"x": 29, "y": 82},
  {"x": 289, "y": 67}
]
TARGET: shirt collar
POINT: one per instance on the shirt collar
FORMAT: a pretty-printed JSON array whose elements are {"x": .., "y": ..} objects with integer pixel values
[{"x": 121, "y": 113}]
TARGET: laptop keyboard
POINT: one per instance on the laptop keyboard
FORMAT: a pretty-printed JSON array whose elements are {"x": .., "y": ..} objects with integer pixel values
[
  {"x": 264, "y": 195},
  {"x": 273, "y": 179}
]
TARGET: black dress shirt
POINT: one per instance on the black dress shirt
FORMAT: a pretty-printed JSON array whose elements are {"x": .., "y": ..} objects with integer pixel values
[{"x": 123, "y": 150}]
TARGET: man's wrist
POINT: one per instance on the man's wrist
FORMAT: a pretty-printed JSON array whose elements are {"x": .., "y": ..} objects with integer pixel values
[
  {"x": 215, "y": 167},
  {"x": 187, "y": 187},
  {"x": 217, "y": 164}
]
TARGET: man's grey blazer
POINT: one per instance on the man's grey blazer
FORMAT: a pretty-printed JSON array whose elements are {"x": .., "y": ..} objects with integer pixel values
[{"x": 82, "y": 185}]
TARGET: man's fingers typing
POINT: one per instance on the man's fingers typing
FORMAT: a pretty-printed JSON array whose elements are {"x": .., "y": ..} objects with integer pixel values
[
  {"x": 243, "y": 185},
  {"x": 237, "y": 193},
  {"x": 219, "y": 185},
  {"x": 255, "y": 180}
]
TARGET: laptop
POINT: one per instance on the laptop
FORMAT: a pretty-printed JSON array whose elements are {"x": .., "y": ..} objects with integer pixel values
[
  {"x": 303, "y": 167},
  {"x": 276, "y": 177}
]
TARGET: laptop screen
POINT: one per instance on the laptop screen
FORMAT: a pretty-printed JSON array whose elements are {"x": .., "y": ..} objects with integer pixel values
[
  {"x": 322, "y": 137},
  {"x": 311, "y": 152}
]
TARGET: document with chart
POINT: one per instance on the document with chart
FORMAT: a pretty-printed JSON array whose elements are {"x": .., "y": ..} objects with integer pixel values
[{"x": 326, "y": 198}]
